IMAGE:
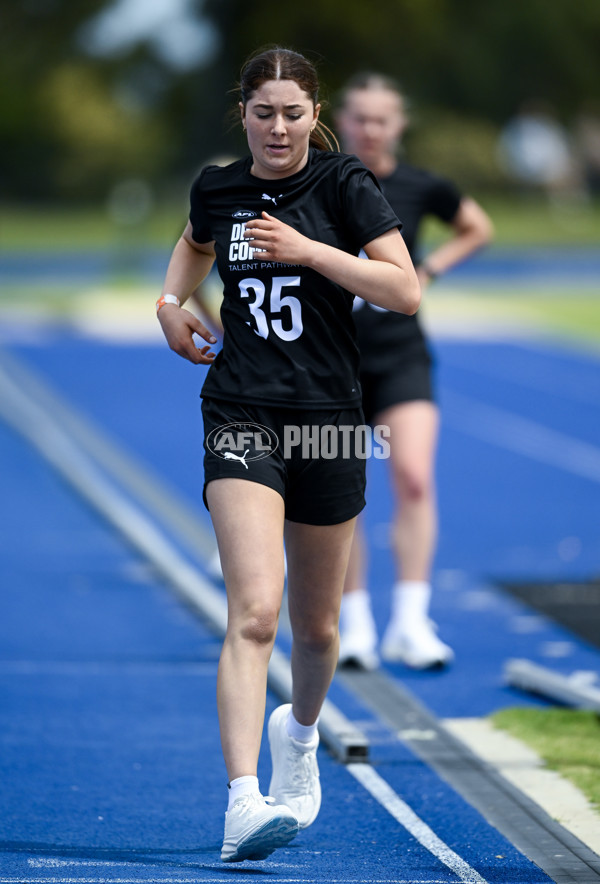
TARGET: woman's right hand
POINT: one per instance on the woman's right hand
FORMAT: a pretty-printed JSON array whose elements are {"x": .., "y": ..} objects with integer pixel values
[{"x": 179, "y": 326}]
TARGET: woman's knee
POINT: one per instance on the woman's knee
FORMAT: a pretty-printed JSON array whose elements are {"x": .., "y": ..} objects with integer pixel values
[
  {"x": 258, "y": 624},
  {"x": 414, "y": 483},
  {"x": 317, "y": 637}
]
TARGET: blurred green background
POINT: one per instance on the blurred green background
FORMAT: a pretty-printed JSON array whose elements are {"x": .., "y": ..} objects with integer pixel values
[
  {"x": 113, "y": 105},
  {"x": 108, "y": 108}
]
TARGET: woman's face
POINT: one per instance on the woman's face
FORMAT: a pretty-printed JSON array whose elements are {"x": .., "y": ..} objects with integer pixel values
[
  {"x": 278, "y": 119},
  {"x": 371, "y": 123}
]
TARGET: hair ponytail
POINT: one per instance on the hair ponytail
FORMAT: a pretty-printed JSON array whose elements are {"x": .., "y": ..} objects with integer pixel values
[{"x": 323, "y": 138}]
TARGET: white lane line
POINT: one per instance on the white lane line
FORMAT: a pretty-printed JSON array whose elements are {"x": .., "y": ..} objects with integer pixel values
[
  {"x": 405, "y": 815},
  {"x": 521, "y": 435},
  {"x": 73, "y": 865}
]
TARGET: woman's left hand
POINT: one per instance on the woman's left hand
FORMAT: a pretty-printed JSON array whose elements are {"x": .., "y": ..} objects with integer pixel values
[{"x": 277, "y": 241}]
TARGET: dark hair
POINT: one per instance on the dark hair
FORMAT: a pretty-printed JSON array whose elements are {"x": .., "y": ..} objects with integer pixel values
[
  {"x": 367, "y": 80},
  {"x": 285, "y": 64}
]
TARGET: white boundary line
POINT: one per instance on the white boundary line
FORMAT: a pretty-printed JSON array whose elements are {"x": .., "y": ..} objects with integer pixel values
[{"x": 400, "y": 810}]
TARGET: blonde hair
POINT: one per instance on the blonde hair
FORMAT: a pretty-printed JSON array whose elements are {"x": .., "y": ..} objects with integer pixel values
[{"x": 370, "y": 81}]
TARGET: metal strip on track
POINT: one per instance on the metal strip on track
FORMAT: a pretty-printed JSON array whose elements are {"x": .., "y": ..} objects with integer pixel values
[
  {"x": 559, "y": 853},
  {"x": 100, "y": 472}
]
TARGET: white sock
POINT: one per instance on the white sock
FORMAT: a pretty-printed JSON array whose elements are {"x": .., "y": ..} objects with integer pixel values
[
  {"x": 410, "y": 603},
  {"x": 356, "y": 611},
  {"x": 242, "y": 786},
  {"x": 304, "y": 733}
]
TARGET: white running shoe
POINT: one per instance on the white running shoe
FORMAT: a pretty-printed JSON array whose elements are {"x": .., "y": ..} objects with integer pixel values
[
  {"x": 295, "y": 779},
  {"x": 420, "y": 648},
  {"x": 358, "y": 648},
  {"x": 254, "y": 828}
]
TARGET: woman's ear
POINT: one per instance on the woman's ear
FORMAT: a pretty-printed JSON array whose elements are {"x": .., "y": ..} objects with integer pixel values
[{"x": 243, "y": 115}]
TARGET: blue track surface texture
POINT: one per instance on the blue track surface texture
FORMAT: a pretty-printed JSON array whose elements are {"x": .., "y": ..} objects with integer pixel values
[{"x": 110, "y": 760}]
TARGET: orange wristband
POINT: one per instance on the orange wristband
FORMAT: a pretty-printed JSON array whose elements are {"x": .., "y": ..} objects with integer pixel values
[{"x": 166, "y": 299}]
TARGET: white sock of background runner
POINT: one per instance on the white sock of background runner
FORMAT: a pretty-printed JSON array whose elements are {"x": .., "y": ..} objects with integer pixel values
[
  {"x": 356, "y": 610},
  {"x": 410, "y": 604}
]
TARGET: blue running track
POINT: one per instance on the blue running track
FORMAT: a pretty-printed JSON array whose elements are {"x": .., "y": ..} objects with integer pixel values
[{"x": 110, "y": 761}]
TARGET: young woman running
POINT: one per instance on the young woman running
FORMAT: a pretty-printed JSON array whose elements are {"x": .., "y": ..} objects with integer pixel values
[
  {"x": 396, "y": 381},
  {"x": 286, "y": 225}
]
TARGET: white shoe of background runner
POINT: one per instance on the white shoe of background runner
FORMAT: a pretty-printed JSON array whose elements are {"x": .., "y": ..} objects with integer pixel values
[
  {"x": 358, "y": 647},
  {"x": 358, "y": 635},
  {"x": 420, "y": 648}
]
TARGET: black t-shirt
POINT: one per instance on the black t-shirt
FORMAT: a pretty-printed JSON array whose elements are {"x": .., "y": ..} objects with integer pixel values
[
  {"x": 413, "y": 194},
  {"x": 289, "y": 337}
]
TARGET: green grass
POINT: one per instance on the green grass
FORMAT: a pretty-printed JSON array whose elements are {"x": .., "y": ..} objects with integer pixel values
[
  {"x": 517, "y": 222},
  {"x": 42, "y": 228},
  {"x": 536, "y": 222},
  {"x": 572, "y": 315},
  {"x": 568, "y": 740}
]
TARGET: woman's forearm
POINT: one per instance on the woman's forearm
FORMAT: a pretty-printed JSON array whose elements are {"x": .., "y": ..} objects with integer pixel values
[
  {"x": 386, "y": 280},
  {"x": 187, "y": 268},
  {"x": 472, "y": 229}
]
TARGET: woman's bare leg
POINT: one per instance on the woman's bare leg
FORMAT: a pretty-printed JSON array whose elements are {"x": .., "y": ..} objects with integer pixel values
[{"x": 248, "y": 519}]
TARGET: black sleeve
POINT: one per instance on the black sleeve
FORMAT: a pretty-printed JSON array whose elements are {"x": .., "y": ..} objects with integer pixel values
[
  {"x": 366, "y": 210},
  {"x": 443, "y": 199},
  {"x": 199, "y": 220}
]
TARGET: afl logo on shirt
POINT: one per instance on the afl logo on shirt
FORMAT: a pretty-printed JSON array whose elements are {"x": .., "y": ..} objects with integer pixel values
[
  {"x": 242, "y": 442},
  {"x": 244, "y": 214}
]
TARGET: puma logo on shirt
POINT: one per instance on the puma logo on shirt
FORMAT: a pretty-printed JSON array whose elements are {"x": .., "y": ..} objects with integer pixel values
[{"x": 229, "y": 455}]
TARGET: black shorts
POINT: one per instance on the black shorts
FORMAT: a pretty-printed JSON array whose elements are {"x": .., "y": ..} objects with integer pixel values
[
  {"x": 407, "y": 380},
  {"x": 314, "y": 459}
]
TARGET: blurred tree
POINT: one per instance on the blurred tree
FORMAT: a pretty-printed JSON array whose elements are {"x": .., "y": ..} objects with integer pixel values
[
  {"x": 74, "y": 122},
  {"x": 35, "y": 37},
  {"x": 100, "y": 138}
]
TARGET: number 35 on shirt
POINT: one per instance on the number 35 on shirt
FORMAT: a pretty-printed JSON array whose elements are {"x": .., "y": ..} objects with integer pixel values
[{"x": 273, "y": 310}]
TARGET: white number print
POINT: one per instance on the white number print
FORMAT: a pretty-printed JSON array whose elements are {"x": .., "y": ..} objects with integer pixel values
[{"x": 289, "y": 326}]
